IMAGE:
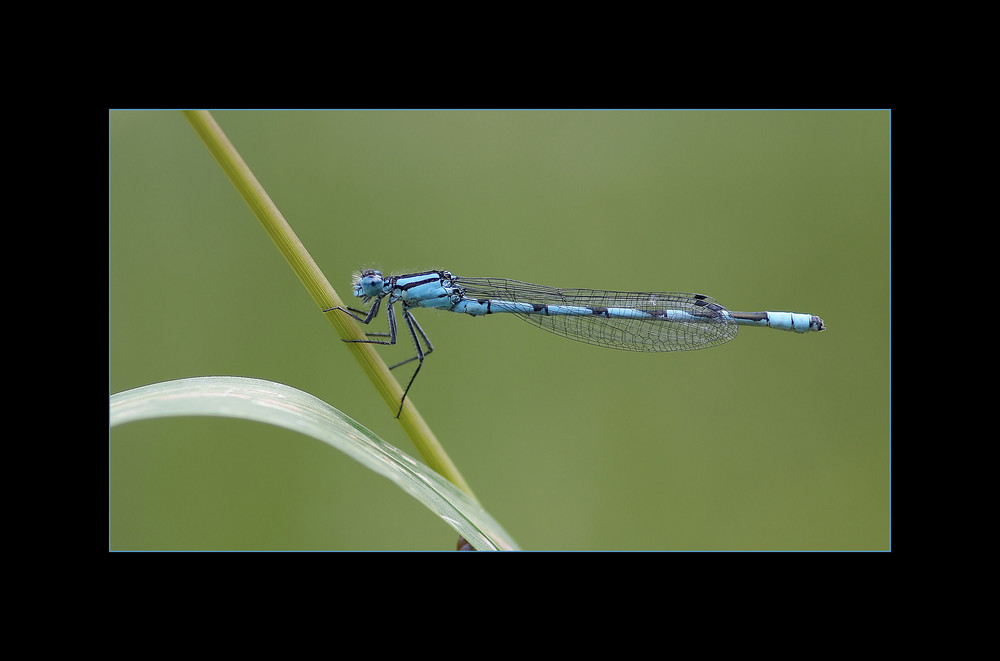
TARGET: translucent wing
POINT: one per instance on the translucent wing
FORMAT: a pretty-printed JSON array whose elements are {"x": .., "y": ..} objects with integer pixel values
[{"x": 631, "y": 321}]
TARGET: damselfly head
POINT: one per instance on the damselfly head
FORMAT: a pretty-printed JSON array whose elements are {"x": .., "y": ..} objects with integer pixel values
[{"x": 368, "y": 283}]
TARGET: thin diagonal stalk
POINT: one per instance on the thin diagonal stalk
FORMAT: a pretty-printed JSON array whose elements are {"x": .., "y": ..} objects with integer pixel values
[{"x": 323, "y": 293}]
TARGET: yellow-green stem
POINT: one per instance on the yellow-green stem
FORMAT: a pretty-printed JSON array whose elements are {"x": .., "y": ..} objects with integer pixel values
[{"x": 322, "y": 293}]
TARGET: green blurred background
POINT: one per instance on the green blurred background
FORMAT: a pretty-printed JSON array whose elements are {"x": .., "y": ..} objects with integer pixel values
[{"x": 774, "y": 441}]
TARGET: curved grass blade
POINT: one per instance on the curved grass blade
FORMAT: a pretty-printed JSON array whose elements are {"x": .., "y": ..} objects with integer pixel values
[{"x": 284, "y": 406}]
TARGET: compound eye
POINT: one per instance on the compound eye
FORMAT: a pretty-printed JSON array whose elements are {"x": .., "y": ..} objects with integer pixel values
[{"x": 370, "y": 284}]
